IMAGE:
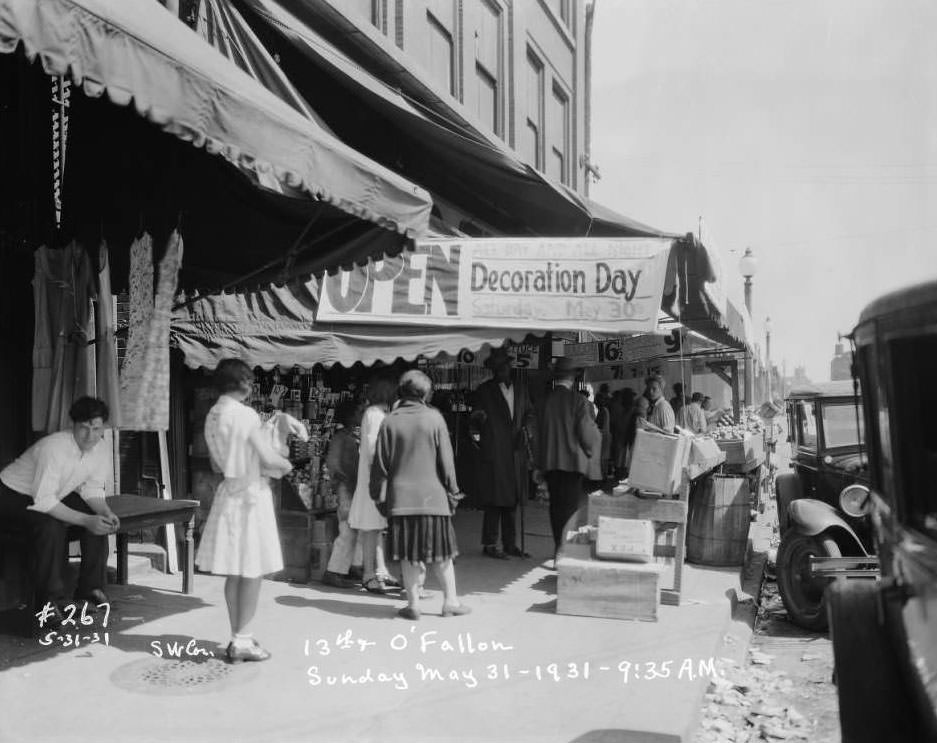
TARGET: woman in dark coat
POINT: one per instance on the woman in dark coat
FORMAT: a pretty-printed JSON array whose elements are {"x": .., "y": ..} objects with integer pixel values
[{"x": 414, "y": 472}]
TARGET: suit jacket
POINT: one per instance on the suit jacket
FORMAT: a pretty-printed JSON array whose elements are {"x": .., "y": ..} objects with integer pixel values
[
  {"x": 569, "y": 436},
  {"x": 503, "y": 445}
]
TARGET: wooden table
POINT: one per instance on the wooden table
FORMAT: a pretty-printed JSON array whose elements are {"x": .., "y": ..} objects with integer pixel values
[{"x": 140, "y": 512}]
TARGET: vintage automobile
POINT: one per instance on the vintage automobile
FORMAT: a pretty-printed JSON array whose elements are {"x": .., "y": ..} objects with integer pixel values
[
  {"x": 884, "y": 631},
  {"x": 825, "y": 431}
]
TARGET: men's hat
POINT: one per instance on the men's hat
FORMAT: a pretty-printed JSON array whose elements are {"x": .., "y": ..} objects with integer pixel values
[
  {"x": 697, "y": 397},
  {"x": 565, "y": 366},
  {"x": 498, "y": 357}
]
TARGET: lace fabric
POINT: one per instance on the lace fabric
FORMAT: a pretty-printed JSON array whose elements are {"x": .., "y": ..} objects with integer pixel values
[{"x": 144, "y": 382}]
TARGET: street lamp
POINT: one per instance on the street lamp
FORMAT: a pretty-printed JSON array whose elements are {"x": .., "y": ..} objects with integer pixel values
[
  {"x": 747, "y": 267},
  {"x": 768, "y": 355}
]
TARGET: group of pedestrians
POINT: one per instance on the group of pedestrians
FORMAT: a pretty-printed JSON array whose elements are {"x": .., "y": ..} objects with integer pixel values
[
  {"x": 404, "y": 485},
  {"x": 392, "y": 466}
]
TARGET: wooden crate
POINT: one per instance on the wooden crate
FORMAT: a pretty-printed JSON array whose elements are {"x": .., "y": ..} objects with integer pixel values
[{"x": 615, "y": 590}]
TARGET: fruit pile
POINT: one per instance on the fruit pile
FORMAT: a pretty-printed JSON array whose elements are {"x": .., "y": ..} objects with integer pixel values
[{"x": 730, "y": 429}]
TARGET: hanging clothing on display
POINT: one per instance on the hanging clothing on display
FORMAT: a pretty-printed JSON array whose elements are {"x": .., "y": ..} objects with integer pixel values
[
  {"x": 63, "y": 360},
  {"x": 144, "y": 378},
  {"x": 105, "y": 348}
]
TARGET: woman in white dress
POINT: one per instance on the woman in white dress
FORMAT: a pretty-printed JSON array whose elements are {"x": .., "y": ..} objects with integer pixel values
[
  {"x": 240, "y": 539},
  {"x": 364, "y": 515}
]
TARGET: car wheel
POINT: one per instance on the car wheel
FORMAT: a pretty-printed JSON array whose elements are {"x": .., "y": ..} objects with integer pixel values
[
  {"x": 802, "y": 593},
  {"x": 786, "y": 490},
  {"x": 873, "y": 706}
]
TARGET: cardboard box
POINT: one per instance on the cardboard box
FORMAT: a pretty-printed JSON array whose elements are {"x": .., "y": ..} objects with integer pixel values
[
  {"x": 658, "y": 461},
  {"x": 705, "y": 455},
  {"x": 616, "y": 590},
  {"x": 627, "y": 540},
  {"x": 631, "y": 506}
]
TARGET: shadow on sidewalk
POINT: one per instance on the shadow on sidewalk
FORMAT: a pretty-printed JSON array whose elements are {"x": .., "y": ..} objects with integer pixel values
[
  {"x": 344, "y": 608},
  {"x": 131, "y": 606}
]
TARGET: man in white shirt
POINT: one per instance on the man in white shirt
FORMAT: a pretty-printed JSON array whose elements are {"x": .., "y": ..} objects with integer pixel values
[
  {"x": 692, "y": 417},
  {"x": 57, "y": 487},
  {"x": 660, "y": 414}
]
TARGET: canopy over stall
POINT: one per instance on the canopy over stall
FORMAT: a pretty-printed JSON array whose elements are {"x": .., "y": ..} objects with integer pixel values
[
  {"x": 276, "y": 326},
  {"x": 698, "y": 297},
  {"x": 480, "y": 175},
  {"x": 119, "y": 172}
]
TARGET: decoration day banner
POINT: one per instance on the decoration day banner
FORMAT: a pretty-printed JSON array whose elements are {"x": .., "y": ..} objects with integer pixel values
[{"x": 604, "y": 285}]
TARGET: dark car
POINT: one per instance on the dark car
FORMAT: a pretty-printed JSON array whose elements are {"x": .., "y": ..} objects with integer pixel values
[
  {"x": 885, "y": 631},
  {"x": 826, "y": 434}
]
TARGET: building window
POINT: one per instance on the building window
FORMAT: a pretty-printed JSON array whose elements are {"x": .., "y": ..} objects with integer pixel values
[
  {"x": 488, "y": 109},
  {"x": 488, "y": 64},
  {"x": 558, "y": 167},
  {"x": 440, "y": 53},
  {"x": 370, "y": 9},
  {"x": 533, "y": 135},
  {"x": 562, "y": 9}
]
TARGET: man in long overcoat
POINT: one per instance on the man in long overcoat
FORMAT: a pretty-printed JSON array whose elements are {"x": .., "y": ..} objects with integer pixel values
[{"x": 505, "y": 451}]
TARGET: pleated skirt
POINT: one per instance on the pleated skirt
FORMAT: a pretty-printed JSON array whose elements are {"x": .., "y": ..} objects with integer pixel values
[{"x": 421, "y": 538}]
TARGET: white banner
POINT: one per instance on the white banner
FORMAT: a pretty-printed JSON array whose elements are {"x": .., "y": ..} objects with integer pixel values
[{"x": 603, "y": 285}]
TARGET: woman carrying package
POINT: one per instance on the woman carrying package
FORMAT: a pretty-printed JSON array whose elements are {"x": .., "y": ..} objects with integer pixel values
[{"x": 240, "y": 539}]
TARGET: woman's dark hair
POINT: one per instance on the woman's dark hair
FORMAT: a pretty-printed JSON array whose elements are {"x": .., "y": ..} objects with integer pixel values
[
  {"x": 382, "y": 390},
  {"x": 233, "y": 375},
  {"x": 348, "y": 413},
  {"x": 86, "y": 409}
]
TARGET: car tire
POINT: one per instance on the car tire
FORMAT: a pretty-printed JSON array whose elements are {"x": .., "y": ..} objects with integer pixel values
[
  {"x": 786, "y": 490},
  {"x": 873, "y": 704},
  {"x": 803, "y": 596}
]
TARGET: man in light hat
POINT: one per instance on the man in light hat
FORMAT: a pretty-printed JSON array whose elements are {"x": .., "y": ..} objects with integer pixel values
[
  {"x": 569, "y": 437},
  {"x": 504, "y": 454}
]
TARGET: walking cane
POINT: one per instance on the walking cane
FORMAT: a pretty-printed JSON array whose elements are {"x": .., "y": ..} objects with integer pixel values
[{"x": 530, "y": 460}]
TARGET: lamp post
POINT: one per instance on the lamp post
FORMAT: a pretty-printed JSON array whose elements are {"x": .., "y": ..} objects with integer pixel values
[
  {"x": 768, "y": 355},
  {"x": 747, "y": 267}
]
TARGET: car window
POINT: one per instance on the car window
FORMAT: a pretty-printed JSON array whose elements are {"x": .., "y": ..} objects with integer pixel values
[
  {"x": 914, "y": 380},
  {"x": 806, "y": 426},
  {"x": 840, "y": 425}
]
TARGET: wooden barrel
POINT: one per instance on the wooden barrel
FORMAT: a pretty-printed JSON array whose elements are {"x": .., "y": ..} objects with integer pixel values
[{"x": 718, "y": 522}]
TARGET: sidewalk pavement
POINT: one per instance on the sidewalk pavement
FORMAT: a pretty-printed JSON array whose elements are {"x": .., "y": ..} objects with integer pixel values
[{"x": 345, "y": 668}]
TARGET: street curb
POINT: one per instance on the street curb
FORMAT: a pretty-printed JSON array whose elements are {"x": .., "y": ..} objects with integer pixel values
[{"x": 735, "y": 638}]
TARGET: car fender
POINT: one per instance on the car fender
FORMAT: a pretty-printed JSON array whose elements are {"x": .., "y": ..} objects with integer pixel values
[{"x": 812, "y": 517}]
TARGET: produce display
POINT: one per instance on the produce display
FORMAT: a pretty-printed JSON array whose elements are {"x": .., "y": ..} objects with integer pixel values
[
  {"x": 742, "y": 441},
  {"x": 728, "y": 428}
]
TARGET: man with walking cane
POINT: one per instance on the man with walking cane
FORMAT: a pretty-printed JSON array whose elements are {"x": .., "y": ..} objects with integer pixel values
[{"x": 505, "y": 459}]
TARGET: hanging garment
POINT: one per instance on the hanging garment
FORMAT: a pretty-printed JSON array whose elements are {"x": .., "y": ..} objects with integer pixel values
[
  {"x": 63, "y": 360},
  {"x": 144, "y": 381},
  {"x": 105, "y": 347}
]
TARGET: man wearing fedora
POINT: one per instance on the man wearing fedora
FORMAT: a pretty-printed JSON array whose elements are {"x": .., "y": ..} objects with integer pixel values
[
  {"x": 505, "y": 451},
  {"x": 569, "y": 438}
]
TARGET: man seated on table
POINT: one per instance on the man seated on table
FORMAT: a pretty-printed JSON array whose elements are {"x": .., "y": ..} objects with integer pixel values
[{"x": 56, "y": 489}]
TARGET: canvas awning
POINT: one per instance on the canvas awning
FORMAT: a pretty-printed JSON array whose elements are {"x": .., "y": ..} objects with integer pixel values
[
  {"x": 480, "y": 175},
  {"x": 698, "y": 297},
  {"x": 136, "y": 52},
  {"x": 276, "y": 326}
]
